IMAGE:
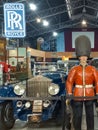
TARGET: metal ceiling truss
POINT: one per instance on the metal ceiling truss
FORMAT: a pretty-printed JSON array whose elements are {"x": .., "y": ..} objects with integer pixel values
[
  {"x": 56, "y": 27},
  {"x": 90, "y": 3},
  {"x": 55, "y": 12},
  {"x": 68, "y": 24},
  {"x": 84, "y": 4},
  {"x": 47, "y": 13},
  {"x": 51, "y": 12},
  {"x": 91, "y": 20},
  {"x": 84, "y": 16}
]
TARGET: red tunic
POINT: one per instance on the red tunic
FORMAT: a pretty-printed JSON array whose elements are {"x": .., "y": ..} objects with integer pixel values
[{"x": 75, "y": 77}]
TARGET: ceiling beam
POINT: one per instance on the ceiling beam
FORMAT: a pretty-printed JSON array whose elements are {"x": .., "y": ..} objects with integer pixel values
[
  {"x": 89, "y": 3},
  {"x": 68, "y": 24},
  {"x": 47, "y": 13},
  {"x": 82, "y": 15},
  {"x": 51, "y": 12}
]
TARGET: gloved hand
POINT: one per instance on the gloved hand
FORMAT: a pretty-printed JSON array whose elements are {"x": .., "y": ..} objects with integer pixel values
[
  {"x": 68, "y": 105},
  {"x": 69, "y": 96},
  {"x": 68, "y": 102}
]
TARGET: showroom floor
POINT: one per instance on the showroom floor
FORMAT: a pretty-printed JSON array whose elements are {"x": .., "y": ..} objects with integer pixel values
[
  {"x": 23, "y": 126},
  {"x": 20, "y": 125}
]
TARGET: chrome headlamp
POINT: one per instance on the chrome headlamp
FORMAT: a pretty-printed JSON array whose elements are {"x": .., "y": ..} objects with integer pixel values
[
  {"x": 19, "y": 89},
  {"x": 53, "y": 89}
]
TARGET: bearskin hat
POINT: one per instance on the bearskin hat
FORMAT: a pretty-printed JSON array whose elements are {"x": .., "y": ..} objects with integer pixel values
[{"x": 82, "y": 46}]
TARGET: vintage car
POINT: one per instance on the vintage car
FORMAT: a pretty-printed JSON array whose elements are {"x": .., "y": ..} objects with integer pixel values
[
  {"x": 34, "y": 100},
  {"x": 94, "y": 62}
]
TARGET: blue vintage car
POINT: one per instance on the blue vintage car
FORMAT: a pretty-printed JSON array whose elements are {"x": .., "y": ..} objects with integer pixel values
[{"x": 34, "y": 100}]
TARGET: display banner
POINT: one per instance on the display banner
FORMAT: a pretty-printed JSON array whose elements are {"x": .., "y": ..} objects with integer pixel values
[{"x": 14, "y": 20}]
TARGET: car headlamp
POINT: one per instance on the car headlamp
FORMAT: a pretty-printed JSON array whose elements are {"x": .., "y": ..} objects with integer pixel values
[
  {"x": 19, "y": 89},
  {"x": 53, "y": 89}
]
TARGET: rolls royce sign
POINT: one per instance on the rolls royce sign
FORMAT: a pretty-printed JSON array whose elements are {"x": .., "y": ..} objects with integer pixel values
[{"x": 14, "y": 20}]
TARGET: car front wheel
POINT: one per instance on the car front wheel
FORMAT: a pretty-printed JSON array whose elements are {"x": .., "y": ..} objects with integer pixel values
[{"x": 6, "y": 116}]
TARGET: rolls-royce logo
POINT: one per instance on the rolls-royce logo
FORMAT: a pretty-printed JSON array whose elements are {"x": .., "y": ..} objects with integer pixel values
[{"x": 14, "y": 20}]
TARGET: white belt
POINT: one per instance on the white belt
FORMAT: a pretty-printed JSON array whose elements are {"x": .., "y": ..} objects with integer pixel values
[{"x": 86, "y": 86}]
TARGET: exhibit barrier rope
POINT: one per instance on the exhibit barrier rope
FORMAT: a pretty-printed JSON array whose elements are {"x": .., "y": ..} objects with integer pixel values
[{"x": 49, "y": 98}]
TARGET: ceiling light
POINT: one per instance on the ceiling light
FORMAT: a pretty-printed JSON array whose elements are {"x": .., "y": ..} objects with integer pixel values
[
  {"x": 45, "y": 23},
  {"x": 38, "y": 20},
  {"x": 84, "y": 22},
  {"x": 55, "y": 34},
  {"x": 33, "y": 7}
]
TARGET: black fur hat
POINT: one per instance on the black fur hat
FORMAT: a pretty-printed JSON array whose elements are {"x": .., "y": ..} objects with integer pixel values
[{"x": 82, "y": 46}]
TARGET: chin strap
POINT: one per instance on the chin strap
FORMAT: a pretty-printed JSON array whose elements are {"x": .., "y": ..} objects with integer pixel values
[{"x": 83, "y": 64}]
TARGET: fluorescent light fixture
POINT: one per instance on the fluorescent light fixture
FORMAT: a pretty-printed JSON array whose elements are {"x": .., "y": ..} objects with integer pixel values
[
  {"x": 69, "y": 9},
  {"x": 33, "y": 7},
  {"x": 45, "y": 23},
  {"x": 55, "y": 34}
]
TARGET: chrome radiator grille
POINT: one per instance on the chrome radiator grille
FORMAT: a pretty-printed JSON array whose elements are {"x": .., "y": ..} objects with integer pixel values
[{"x": 38, "y": 86}]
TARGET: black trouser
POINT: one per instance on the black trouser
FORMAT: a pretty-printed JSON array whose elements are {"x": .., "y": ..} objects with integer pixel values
[{"x": 77, "y": 114}]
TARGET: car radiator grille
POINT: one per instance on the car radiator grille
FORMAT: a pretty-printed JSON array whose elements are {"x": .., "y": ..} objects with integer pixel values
[{"x": 38, "y": 87}]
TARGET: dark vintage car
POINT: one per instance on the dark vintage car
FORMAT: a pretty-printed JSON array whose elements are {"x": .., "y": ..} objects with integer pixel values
[
  {"x": 34, "y": 100},
  {"x": 94, "y": 62}
]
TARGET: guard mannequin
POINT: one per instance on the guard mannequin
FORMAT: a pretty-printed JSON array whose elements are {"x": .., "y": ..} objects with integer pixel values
[{"x": 82, "y": 81}]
